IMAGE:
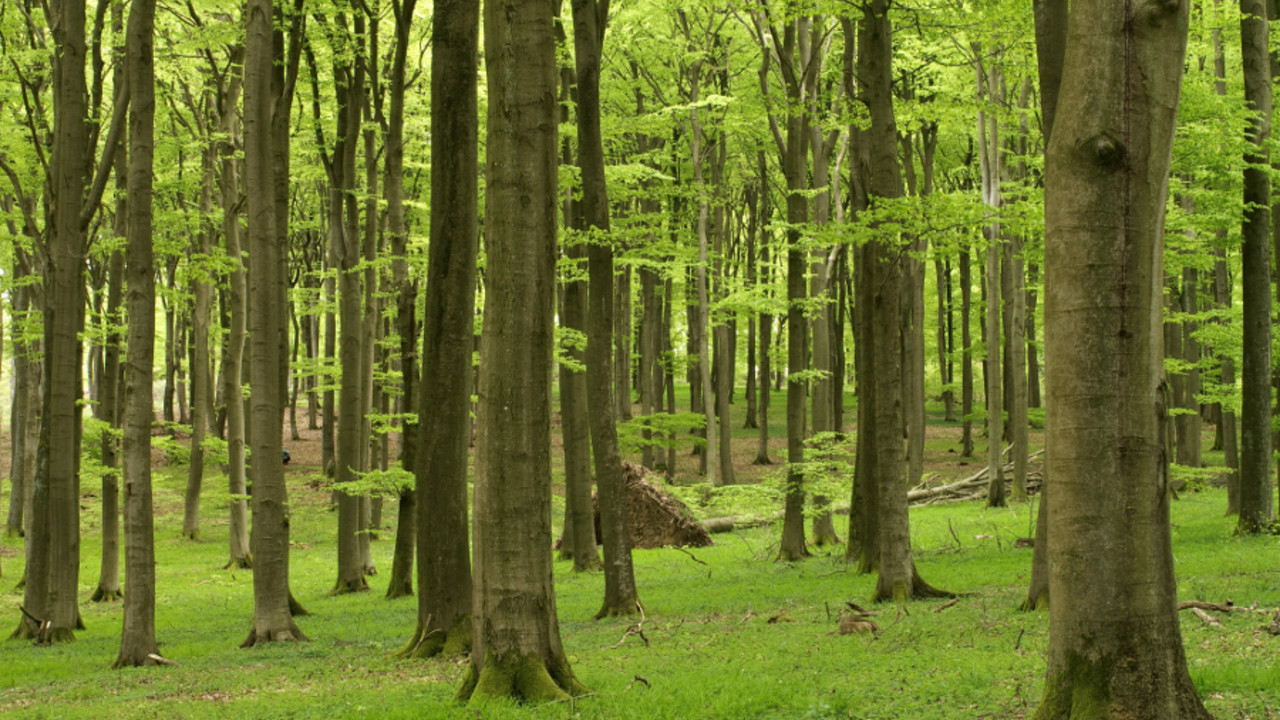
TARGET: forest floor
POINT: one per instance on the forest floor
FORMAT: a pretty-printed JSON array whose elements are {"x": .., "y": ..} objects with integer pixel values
[{"x": 728, "y": 632}]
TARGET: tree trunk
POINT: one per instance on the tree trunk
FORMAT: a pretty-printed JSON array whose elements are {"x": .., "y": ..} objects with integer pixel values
[
  {"x": 444, "y": 433},
  {"x": 765, "y": 324},
  {"x": 966, "y": 364},
  {"x": 138, "y": 645},
  {"x": 272, "y": 611},
  {"x": 620, "y": 594},
  {"x": 1106, "y": 461},
  {"x": 879, "y": 174},
  {"x": 1256, "y": 493},
  {"x": 990, "y": 155},
  {"x": 54, "y": 566},
  {"x": 406, "y": 292},
  {"x": 107, "y": 408},
  {"x": 517, "y": 650},
  {"x": 1190, "y": 426}
]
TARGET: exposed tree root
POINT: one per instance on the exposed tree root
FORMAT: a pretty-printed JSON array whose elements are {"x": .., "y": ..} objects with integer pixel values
[
  {"x": 103, "y": 594},
  {"x": 241, "y": 563},
  {"x": 290, "y": 633},
  {"x": 455, "y": 642},
  {"x": 295, "y": 607},
  {"x": 528, "y": 678},
  {"x": 623, "y": 608}
]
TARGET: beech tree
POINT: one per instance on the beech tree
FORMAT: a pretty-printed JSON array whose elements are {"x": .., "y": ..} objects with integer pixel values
[
  {"x": 444, "y": 560},
  {"x": 272, "y": 612},
  {"x": 138, "y": 638},
  {"x": 1107, "y": 464},
  {"x": 516, "y": 649}
]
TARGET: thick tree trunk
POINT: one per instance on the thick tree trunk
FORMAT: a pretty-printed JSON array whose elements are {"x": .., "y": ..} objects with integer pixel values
[
  {"x": 517, "y": 650},
  {"x": 1107, "y": 462},
  {"x": 444, "y": 433},
  {"x": 272, "y": 605},
  {"x": 54, "y": 568},
  {"x": 1256, "y": 485},
  {"x": 138, "y": 638}
]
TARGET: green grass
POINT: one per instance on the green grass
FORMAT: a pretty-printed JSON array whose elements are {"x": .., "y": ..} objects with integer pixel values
[
  {"x": 731, "y": 634},
  {"x": 740, "y": 636}
]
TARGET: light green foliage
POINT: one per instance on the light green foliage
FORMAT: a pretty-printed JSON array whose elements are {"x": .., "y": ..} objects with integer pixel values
[{"x": 661, "y": 426}]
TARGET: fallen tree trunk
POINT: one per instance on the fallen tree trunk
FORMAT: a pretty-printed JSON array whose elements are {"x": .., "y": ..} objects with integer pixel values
[{"x": 973, "y": 487}]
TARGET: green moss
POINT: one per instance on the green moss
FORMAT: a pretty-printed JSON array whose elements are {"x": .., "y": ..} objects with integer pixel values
[
  {"x": 1077, "y": 692},
  {"x": 626, "y": 606},
  {"x": 523, "y": 677}
]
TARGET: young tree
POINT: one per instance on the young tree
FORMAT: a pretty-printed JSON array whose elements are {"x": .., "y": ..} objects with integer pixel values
[
  {"x": 138, "y": 638},
  {"x": 516, "y": 650},
  {"x": 1107, "y": 463}
]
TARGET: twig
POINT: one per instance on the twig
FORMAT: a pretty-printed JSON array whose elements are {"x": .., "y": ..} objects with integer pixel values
[
  {"x": 638, "y": 679},
  {"x": 637, "y": 629},
  {"x": 1018, "y": 643},
  {"x": 686, "y": 552},
  {"x": 947, "y": 604}
]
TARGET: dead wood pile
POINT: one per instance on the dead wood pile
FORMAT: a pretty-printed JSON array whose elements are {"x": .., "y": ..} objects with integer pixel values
[
  {"x": 974, "y": 487},
  {"x": 657, "y": 519}
]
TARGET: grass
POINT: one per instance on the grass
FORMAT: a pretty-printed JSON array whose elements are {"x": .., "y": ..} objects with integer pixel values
[{"x": 730, "y": 633}]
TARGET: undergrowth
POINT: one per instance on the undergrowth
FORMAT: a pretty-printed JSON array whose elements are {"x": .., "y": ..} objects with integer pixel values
[{"x": 727, "y": 632}]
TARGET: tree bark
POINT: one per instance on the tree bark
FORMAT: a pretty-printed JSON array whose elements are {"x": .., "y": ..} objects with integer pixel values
[
  {"x": 1106, "y": 461},
  {"x": 272, "y": 612},
  {"x": 517, "y": 650},
  {"x": 1257, "y": 505},
  {"x": 138, "y": 645},
  {"x": 620, "y": 593},
  {"x": 444, "y": 432}
]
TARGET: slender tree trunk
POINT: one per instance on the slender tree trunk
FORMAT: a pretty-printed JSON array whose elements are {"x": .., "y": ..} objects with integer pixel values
[
  {"x": 620, "y": 593},
  {"x": 1256, "y": 485},
  {"x": 406, "y": 291},
  {"x": 517, "y": 650},
  {"x": 966, "y": 363},
  {"x": 989, "y": 152},
  {"x": 444, "y": 434},
  {"x": 138, "y": 638},
  {"x": 107, "y": 408}
]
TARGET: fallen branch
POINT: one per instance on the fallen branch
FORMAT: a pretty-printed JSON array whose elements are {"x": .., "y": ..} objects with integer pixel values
[
  {"x": 1225, "y": 607},
  {"x": 162, "y": 660},
  {"x": 947, "y": 604},
  {"x": 1206, "y": 618},
  {"x": 639, "y": 679},
  {"x": 637, "y": 629},
  {"x": 686, "y": 552}
]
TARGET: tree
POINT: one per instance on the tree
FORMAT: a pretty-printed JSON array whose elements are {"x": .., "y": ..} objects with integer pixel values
[
  {"x": 444, "y": 560},
  {"x": 516, "y": 650},
  {"x": 1257, "y": 507},
  {"x": 880, "y": 376},
  {"x": 138, "y": 638},
  {"x": 590, "y": 18},
  {"x": 272, "y": 616},
  {"x": 1107, "y": 463}
]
